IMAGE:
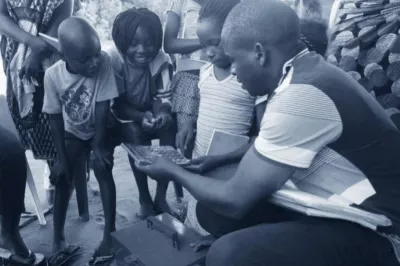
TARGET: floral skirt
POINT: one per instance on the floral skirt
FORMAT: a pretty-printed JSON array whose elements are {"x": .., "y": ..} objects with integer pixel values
[{"x": 185, "y": 97}]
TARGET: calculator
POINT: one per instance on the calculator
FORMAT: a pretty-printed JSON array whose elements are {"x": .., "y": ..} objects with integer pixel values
[{"x": 145, "y": 153}]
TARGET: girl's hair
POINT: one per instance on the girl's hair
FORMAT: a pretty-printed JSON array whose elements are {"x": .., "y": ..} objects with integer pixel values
[
  {"x": 217, "y": 9},
  {"x": 127, "y": 22}
]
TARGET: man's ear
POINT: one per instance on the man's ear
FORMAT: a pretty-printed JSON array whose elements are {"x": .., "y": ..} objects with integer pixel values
[{"x": 261, "y": 53}]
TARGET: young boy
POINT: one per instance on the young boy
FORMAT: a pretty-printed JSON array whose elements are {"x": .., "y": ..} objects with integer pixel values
[{"x": 78, "y": 91}]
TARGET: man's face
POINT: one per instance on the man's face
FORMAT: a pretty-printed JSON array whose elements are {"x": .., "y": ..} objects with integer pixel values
[
  {"x": 85, "y": 61},
  {"x": 248, "y": 67},
  {"x": 209, "y": 33}
]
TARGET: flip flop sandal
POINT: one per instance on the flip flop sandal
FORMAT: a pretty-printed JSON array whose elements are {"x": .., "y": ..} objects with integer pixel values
[
  {"x": 6, "y": 258},
  {"x": 62, "y": 257},
  {"x": 100, "y": 260},
  {"x": 27, "y": 215}
]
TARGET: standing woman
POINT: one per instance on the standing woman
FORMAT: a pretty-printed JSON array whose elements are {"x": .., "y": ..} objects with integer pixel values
[
  {"x": 25, "y": 56},
  {"x": 180, "y": 38}
]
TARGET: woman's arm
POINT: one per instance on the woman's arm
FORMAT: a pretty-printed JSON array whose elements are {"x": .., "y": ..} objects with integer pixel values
[
  {"x": 62, "y": 12},
  {"x": 173, "y": 45},
  {"x": 10, "y": 28}
]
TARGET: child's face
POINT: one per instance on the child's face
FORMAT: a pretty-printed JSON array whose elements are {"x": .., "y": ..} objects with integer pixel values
[
  {"x": 142, "y": 49},
  {"x": 209, "y": 33},
  {"x": 85, "y": 61}
]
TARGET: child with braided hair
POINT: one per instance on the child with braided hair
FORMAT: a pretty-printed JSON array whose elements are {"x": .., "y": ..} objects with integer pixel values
[{"x": 143, "y": 109}]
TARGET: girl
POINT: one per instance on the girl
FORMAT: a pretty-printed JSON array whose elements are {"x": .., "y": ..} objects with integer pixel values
[
  {"x": 181, "y": 39},
  {"x": 143, "y": 73}
]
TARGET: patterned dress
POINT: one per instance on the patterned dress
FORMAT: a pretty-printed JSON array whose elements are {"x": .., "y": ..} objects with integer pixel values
[{"x": 25, "y": 104}]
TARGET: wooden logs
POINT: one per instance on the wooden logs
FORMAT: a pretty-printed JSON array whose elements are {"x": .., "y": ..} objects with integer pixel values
[{"x": 366, "y": 44}]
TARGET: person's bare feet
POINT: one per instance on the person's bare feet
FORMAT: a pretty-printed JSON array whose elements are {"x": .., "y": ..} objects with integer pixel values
[
  {"x": 84, "y": 217},
  {"x": 162, "y": 206},
  {"x": 146, "y": 209},
  {"x": 105, "y": 250},
  {"x": 13, "y": 242},
  {"x": 59, "y": 245}
]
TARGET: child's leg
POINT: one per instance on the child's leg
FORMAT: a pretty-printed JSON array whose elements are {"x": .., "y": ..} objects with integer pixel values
[
  {"x": 108, "y": 198},
  {"x": 132, "y": 133},
  {"x": 74, "y": 149},
  {"x": 81, "y": 185}
]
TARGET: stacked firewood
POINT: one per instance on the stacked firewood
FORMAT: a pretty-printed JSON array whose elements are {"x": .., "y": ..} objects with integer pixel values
[{"x": 365, "y": 42}]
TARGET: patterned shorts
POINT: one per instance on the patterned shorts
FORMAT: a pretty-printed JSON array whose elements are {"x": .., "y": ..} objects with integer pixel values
[{"x": 185, "y": 97}]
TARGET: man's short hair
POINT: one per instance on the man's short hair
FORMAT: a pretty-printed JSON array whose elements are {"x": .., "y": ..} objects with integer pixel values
[{"x": 270, "y": 22}]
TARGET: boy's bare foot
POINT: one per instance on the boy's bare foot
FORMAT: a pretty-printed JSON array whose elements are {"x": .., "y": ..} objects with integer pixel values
[
  {"x": 162, "y": 206},
  {"x": 104, "y": 252},
  {"x": 59, "y": 246},
  {"x": 84, "y": 217},
  {"x": 146, "y": 210},
  {"x": 13, "y": 242}
]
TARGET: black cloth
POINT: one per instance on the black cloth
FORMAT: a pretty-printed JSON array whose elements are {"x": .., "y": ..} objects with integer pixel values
[{"x": 13, "y": 170}]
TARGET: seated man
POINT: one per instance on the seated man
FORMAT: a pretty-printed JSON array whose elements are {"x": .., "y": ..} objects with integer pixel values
[
  {"x": 78, "y": 91},
  {"x": 311, "y": 136},
  {"x": 13, "y": 169}
]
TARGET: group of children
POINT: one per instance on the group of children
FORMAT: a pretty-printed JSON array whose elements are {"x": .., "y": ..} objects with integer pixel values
[{"x": 129, "y": 94}]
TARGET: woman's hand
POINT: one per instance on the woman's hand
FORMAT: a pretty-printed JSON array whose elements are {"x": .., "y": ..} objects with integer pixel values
[
  {"x": 30, "y": 69},
  {"x": 158, "y": 168}
]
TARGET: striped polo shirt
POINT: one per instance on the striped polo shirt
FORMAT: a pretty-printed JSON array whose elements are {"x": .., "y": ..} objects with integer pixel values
[
  {"x": 224, "y": 106},
  {"x": 342, "y": 142}
]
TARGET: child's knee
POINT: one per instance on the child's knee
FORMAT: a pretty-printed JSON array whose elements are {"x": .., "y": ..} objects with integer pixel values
[{"x": 99, "y": 166}]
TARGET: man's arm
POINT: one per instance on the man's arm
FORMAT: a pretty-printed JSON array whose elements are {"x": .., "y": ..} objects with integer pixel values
[
  {"x": 256, "y": 179},
  {"x": 289, "y": 138}
]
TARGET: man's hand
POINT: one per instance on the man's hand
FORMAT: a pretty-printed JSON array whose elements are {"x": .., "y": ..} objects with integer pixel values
[
  {"x": 202, "y": 243},
  {"x": 158, "y": 168},
  {"x": 163, "y": 120},
  {"x": 61, "y": 170},
  {"x": 185, "y": 136},
  {"x": 100, "y": 155},
  {"x": 148, "y": 122},
  {"x": 202, "y": 164}
]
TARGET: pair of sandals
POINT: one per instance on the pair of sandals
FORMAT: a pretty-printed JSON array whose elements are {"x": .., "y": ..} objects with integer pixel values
[
  {"x": 63, "y": 257},
  {"x": 7, "y": 258}
]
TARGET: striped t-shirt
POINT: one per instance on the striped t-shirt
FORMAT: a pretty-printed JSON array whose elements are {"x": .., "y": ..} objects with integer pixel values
[
  {"x": 224, "y": 106},
  {"x": 344, "y": 145}
]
